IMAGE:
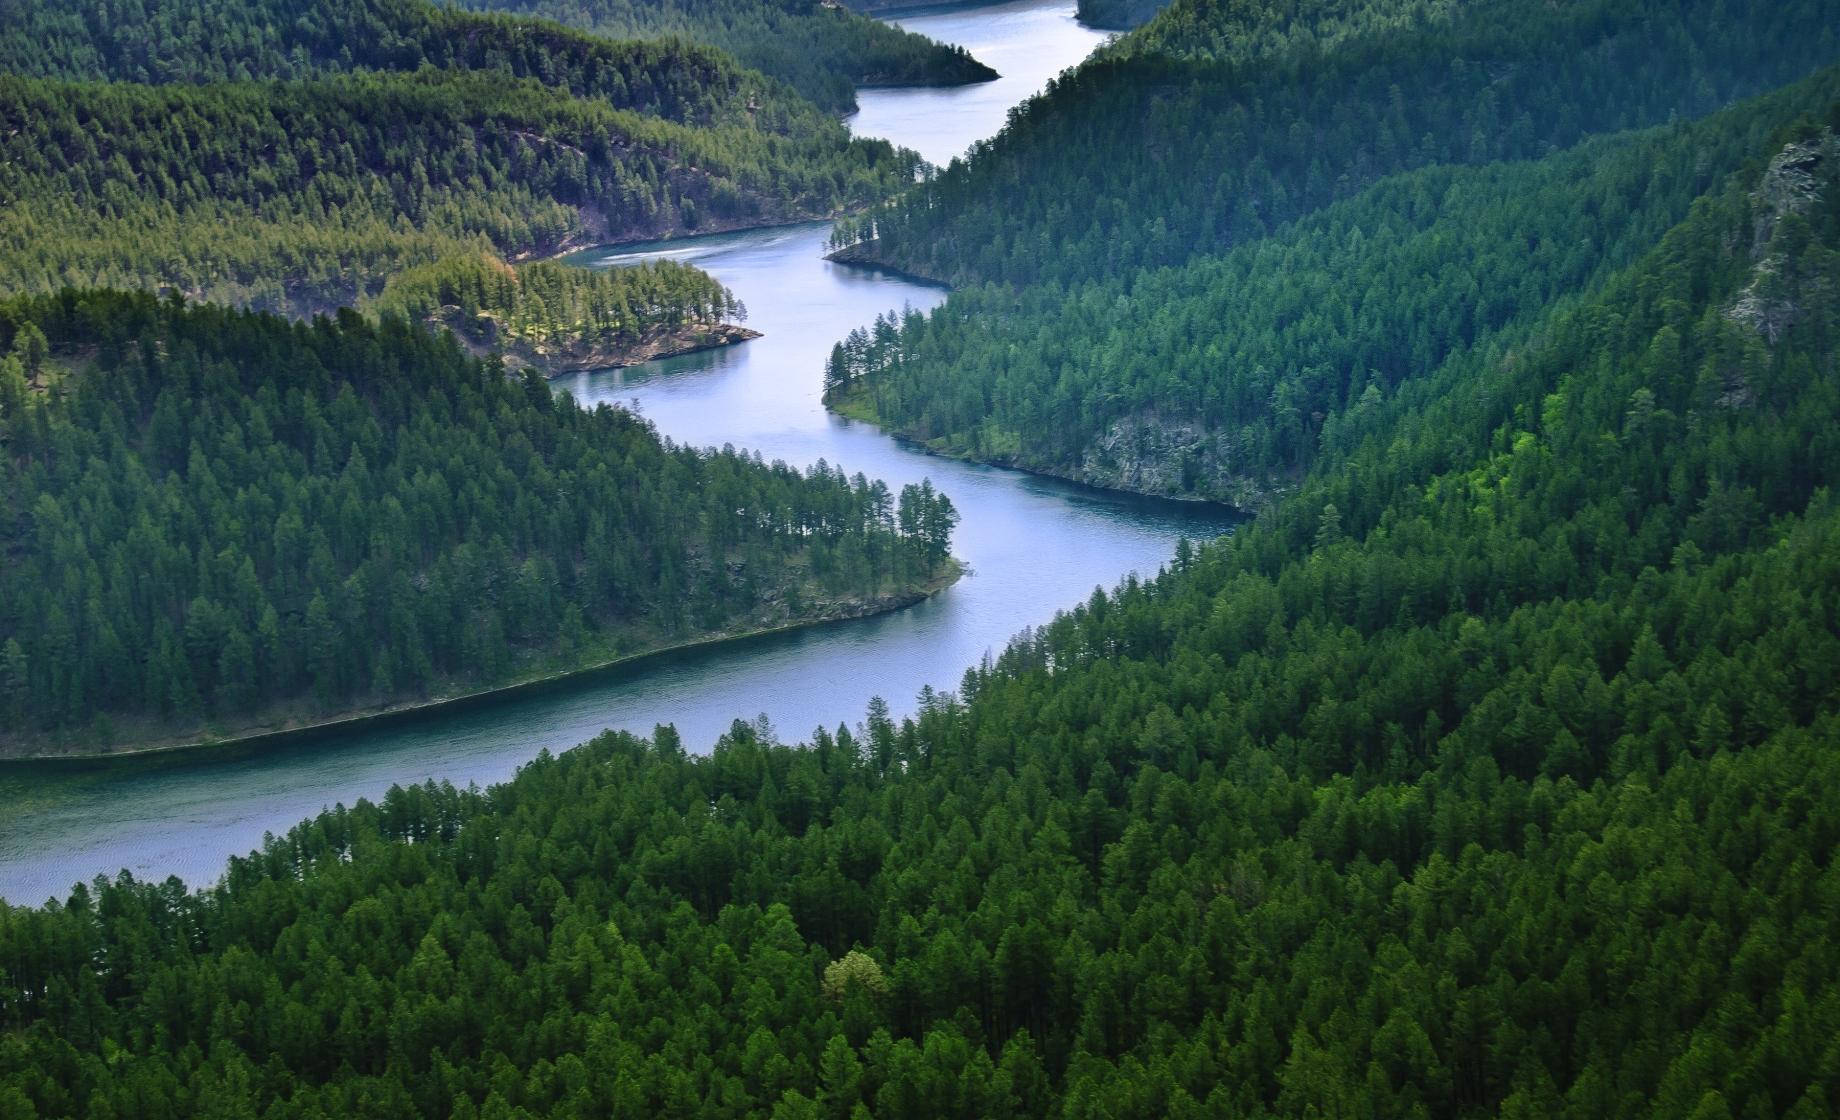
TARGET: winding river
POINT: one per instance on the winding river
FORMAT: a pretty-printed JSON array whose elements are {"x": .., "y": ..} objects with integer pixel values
[{"x": 1034, "y": 546}]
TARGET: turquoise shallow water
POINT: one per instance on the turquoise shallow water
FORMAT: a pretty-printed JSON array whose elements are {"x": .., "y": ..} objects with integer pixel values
[{"x": 1034, "y": 546}]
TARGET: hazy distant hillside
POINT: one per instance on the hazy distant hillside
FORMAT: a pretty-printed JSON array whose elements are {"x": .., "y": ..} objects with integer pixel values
[
  {"x": 308, "y": 194},
  {"x": 818, "y": 50},
  {"x": 1142, "y": 158},
  {"x": 823, "y": 49}
]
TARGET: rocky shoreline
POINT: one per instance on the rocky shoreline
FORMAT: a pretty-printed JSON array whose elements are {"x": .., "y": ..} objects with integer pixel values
[
  {"x": 1118, "y": 461},
  {"x": 556, "y": 359},
  {"x": 664, "y": 345},
  {"x": 863, "y": 255}
]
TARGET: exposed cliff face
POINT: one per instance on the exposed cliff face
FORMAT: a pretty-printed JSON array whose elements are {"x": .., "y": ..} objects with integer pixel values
[
  {"x": 1146, "y": 454},
  {"x": 1180, "y": 458},
  {"x": 1172, "y": 458},
  {"x": 1792, "y": 184},
  {"x": 1781, "y": 282}
]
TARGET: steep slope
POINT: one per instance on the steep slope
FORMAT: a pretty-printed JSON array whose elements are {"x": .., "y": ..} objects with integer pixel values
[
  {"x": 1490, "y": 774},
  {"x": 1240, "y": 31},
  {"x": 1226, "y": 376},
  {"x": 1143, "y": 158}
]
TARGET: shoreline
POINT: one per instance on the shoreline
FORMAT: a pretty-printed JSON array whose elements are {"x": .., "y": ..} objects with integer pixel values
[
  {"x": 260, "y": 735},
  {"x": 569, "y": 246},
  {"x": 651, "y": 349},
  {"x": 867, "y": 416},
  {"x": 954, "y": 570},
  {"x": 861, "y": 255},
  {"x": 671, "y": 346},
  {"x": 910, "y": 9}
]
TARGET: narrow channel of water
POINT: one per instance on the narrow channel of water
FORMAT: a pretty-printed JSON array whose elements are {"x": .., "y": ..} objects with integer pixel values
[
  {"x": 1028, "y": 42},
  {"x": 1034, "y": 546}
]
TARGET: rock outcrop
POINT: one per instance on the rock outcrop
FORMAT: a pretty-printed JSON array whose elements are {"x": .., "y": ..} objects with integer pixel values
[
  {"x": 1795, "y": 180},
  {"x": 481, "y": 334},
  {"x": 1171, "y": 458}
]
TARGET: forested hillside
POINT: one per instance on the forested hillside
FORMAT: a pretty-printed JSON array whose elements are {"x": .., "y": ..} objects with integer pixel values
[
  {"x": 216, "y": 521},
  {"x": 1491, "y": 773},
  {"x": 209, "y": 40},
  {"x": 196, "y": 42},
  {"x": 1242, "y": 31},
  {"x": 1143, "y": 158},
  {"x": 309, "y": 194},
  {"x": 1279, "y": 234},
  {"x": 823, "y": 50},
  {"x": 1226, "y": 376}
]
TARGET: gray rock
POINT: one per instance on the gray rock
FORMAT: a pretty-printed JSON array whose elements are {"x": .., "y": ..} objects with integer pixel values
[{"x": 1772, "y": 301}]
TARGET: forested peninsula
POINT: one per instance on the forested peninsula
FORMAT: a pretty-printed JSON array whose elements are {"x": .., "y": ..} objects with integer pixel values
[
  {"x": 218, "y": 524},
  {"x": 820, "y": 52},
  {"x": 556, "y": 318},
  {"x": 824, "y": 50},
  {"x": 221, "y": 522},
  {"x": 304, "y": 162}
]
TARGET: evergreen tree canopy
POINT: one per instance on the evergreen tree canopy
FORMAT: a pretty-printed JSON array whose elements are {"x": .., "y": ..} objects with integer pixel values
[
  {"x": 1226, "y": 376},
  {"x": 1492, "y": 772},
  {"x": 221, "y": 521},
  {"x": 1145, "y": 156},
  {"x": 823, "y": 50},
  {"x": 307, "y": 195},
  {"x": 667, "y": 75}
]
